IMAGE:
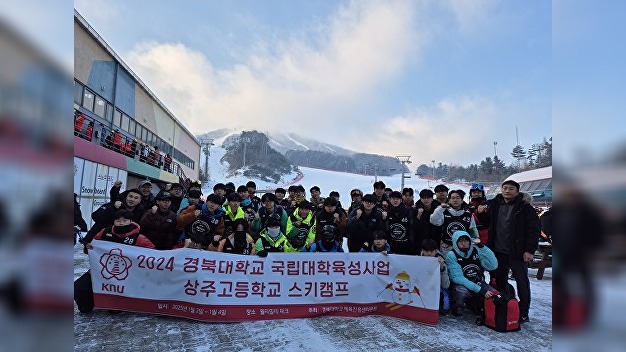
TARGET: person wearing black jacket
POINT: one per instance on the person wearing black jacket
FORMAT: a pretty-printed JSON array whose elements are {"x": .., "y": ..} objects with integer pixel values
[
  {"x": 104, "y": 215},
  {"x": 422, "y": 227},
  {"x": 514, "y": 236},
  {"x": 400, "y": 223},
  {"x": 363, "y": 221}
]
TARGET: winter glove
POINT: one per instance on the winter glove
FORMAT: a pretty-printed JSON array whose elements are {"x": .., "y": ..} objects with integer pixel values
[
  {"x": 262, "y": 253},
  {"x": 366, "y": 246}
]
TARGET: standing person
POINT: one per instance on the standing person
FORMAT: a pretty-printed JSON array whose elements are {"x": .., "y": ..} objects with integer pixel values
[
  {"x": 233, "y": 212},
  {"x": 478, "y": 207},
  {"x": 400, "y": 226},
  {"x": 269, "y": 209},
  {"x": 300, "y": 227},
  {"x": 514, "y": 236},
  {"x": 316, "y": 198},
  {"x": 453, "y": 217},
  {"x": 407, "y": 198},
  {"x": 441, "y": 194},
  {"x": 357, "y": 199},
  {"x": 331, "y": 215},
  {"x": 381, "y": 198},
  {"x": 363, "y": 221},
  {"x": 89, "y": 133},
  {"x": 422, "y": 227},
  {"x": 159, "y": 223},
  {"x": 202, "y": 223},
  {"x": 104, "y": 216},
  {"x": 220, "y": 190},
  {"x": 336, "y": 196},
  {"x": 280, "y": 198},
  {"x": 467, "y": 263},
  {"x": 147, "y": 198},
  {"x": 176, "y": 192},
  {"x": 246, "y": 203},
  {"x": 256, "y": 201}
]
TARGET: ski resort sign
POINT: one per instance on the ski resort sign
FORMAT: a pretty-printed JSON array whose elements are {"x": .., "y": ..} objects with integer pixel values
[{"x": 218, "y": 287}]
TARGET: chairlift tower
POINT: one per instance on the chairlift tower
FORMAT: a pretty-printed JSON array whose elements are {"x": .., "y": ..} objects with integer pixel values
[
  {"x": 403, "y": 159},
  {"x": 206, "y": 144}
]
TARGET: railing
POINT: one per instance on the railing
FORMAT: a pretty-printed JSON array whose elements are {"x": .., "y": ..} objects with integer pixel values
[{"x": 95, "y": 132}]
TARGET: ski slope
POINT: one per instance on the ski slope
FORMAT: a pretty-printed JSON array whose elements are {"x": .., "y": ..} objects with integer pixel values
[{"x": 342, "y": 182}]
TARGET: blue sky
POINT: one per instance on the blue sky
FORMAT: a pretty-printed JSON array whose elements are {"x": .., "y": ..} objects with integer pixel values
[{"x": 439, "y": 80}]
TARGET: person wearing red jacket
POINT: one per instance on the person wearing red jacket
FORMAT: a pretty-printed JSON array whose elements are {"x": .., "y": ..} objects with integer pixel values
[
  {"x": 79, "y": 122},
  {"x": 124, "y": 231}
]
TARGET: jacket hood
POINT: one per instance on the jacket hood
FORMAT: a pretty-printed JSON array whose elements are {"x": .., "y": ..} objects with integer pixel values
[
  {"x": 455, "y": 238},
  {"x": 219, "y": 212}
]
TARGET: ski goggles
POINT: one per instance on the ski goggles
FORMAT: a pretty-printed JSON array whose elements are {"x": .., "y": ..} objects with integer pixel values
[{"x": 477, "y": 186}]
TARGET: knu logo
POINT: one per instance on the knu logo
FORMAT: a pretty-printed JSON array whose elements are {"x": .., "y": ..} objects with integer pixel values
[{"x": 115, "y": 265}]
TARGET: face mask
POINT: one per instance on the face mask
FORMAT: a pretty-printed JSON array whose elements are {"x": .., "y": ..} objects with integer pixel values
[
  {"x": 273, "y": 232},
  {"x": 123, "y": 229},
  {"x": 328, "y": 237},
  {"x": 240, "y": 240},
  {"x": 246, "y": 202}
]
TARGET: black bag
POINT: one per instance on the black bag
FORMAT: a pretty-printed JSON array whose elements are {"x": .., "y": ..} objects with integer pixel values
[
  {"x": 83, "y": 293},
  {"x": 501, "y": 311}
]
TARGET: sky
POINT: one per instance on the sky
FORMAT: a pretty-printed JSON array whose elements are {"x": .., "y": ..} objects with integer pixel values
[{"x": 439, "y": 80}]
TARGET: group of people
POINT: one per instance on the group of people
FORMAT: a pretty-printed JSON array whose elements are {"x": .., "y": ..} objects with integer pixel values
[
  {"x": 469, "y": 238},
  {"x": 117, "y": 142}
]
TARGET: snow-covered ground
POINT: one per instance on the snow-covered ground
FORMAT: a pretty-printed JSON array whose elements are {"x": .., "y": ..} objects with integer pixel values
[
  {"x": 101, "y": 330},
  {"x": 328, "y": 181}
]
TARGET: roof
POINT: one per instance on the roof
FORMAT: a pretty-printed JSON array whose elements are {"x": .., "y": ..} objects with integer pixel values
[{"x": 531, "y": 175}]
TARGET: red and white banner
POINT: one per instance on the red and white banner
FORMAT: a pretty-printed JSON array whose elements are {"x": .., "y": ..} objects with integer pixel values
[{"x": 212, "y": 286}]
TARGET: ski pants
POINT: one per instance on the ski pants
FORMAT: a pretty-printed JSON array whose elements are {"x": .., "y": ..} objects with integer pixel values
[{"x": 520, "y": 274}]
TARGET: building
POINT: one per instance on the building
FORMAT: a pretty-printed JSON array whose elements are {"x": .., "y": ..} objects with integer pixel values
[{"x": 121, "y": 129}]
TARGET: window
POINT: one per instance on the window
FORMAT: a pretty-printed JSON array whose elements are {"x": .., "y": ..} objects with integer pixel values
[
  {"x": 117, "y": 118},
  {"x": 125, "y": 120},
  {"x": 132, "y": 127},
  {"x": 100, "y": 106},
  {"x": 109, "y": 113},
  {"x": 150, "y": 137},
  {"x": 78, "y": 93},
  {"x": 88, "y": 98},
  {"x": 544, "y": 184},
  {"x": 144, "y": 134}
]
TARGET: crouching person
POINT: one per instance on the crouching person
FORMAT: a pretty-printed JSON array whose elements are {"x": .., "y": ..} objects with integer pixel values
[
  {"x": 238, "y": 242},
  {"x": 271, "y": 239},
  {"x": 327, "y": 243},
  {"x": 467, "y": 263},
  {"x": 429, "y": 249},
  {"x": 123, "y": 231}
]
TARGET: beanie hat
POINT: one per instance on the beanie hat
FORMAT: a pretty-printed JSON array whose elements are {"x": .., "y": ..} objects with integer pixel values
[{"x": 403, "y": 276}]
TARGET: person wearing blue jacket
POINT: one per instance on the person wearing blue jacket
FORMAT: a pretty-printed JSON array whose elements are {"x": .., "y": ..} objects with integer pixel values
[{"x": 467, "y": 263}]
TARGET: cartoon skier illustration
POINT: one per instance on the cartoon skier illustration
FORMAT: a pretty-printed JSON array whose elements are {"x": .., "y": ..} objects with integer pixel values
[{"x": 401, "y": 291}]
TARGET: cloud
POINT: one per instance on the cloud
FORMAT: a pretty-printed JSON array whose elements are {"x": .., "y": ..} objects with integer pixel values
[
  {"x": 451, "y": 131},
  {"x": 308, "y": 80}
]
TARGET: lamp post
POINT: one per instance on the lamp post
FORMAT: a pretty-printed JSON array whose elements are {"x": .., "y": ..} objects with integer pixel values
[
  {"x": 495, "y": 151},
  {"x": 433, "y": 169},
  {"x": 244, "y": 140}
]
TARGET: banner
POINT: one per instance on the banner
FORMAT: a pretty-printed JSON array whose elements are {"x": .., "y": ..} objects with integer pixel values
[{"x": 219, "y": 287}]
